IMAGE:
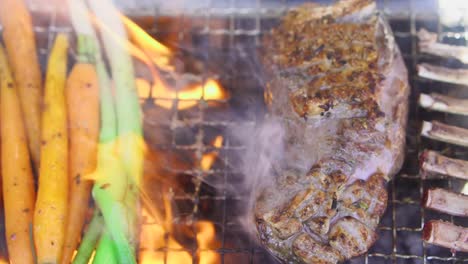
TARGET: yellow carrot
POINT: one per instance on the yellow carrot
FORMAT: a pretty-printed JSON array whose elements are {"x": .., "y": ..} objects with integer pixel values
[
  {"x": 82, "y": 93},
  {"x": 20, "y": 44},
  {"x": 18, "y": 181},
  {"x": 52, "y": 198}
]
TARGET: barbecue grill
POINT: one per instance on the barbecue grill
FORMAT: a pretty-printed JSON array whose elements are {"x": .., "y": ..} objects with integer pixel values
[{"x": 222, "y": 36}]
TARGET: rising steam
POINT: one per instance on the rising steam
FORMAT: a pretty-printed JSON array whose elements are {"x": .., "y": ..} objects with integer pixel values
[{"x": 264, "y": 144}]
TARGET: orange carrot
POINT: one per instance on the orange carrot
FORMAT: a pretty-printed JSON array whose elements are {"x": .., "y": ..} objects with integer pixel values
[
  {"x": 82, "y": 95},
  {"x": 52, "y": 198},
  {"x": 18, "y": 181},
  {"x": 20, "y": 44}
]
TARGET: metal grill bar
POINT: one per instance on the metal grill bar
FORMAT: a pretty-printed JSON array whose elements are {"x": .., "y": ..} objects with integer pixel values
[{"x": 223, "y": 26}]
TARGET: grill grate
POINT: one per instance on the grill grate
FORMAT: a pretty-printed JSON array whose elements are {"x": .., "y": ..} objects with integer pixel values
[{"x": 224, "y": 34}]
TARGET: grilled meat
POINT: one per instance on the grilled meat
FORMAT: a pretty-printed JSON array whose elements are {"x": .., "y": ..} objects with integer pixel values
[
  {"x": 338, "y": 85},
  {"x": 446, "y": 133},
  {"x": 443, "y": 74},
  {"x": 443, "y": 103},
  {"x": 446, "y": 201},
  {"x": 433, "y": 163},
  {"x": 428, "y": 44},
  {"x": 446, "y": 235}
]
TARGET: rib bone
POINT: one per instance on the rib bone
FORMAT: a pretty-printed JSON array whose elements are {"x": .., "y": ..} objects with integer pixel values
[
  {"x": 446, "y": 201},
  {"x": 428, "y": 44},
  {"x": 446, "y": 235},
  {"x": 443, "y": 74},
  {"x": 442, "y": 103},
  {"x": 435, "y": 163},
  {"x": 446, "y": 133}
]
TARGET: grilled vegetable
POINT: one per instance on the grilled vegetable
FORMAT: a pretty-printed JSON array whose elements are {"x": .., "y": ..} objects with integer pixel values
[
  {"x": 52, "y": 199},
  {"x": 90, "y": 239},
  {"x": 106, "y": 253},
  {"x": 116, "y": 177},
  {"x": 20, "y": 44},
  {"x": 82, "y": 94},
  {"x": 118, "y": 198},
  {"x": 17, "y": 176}
]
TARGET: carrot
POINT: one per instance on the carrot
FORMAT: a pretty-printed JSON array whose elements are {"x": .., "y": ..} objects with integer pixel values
[
  {"x": 2, "y": 206},
  {"x": 82, "y": 93},
  {"x": 52, "y": 198},
  {"x": 18, "y": 181},
  {"x": 20, "y": 44},
  {"x": 3, "y": 245}
]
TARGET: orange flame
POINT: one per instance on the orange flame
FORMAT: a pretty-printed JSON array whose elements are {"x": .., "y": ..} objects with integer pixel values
[
  {"x": 187, "y": 98},
  {"x": 153, "y": 238},
  {"x": 157, "y": 52},
  {"x": 154, "y": 242},
  {"x": 150, "y": 51},
  {"x": 153, "y": 53},
  {"x": 156, "y": 237},
  {"x": 206, "y": 234},
  {"x": 208, "y": 159},
  {"x": 147, "y": 50}
]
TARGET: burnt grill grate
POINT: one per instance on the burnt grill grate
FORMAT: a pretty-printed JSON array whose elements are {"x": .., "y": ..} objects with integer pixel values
[{"x": 227, "y": 32}]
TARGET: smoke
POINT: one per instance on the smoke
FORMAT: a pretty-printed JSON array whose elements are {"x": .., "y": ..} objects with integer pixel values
[
  {"x": 264, "y": 151},
  {"x": 263, "y": 142}
]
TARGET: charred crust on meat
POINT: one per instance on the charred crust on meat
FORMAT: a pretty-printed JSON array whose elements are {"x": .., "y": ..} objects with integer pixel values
[
  {"x": 423, "y": 157},
  {"x": 334, "y": 204},
  {"x": 425, "y": 198},
  {"x": 427, "y": 231},
  {"x": 326, "y": 106}
]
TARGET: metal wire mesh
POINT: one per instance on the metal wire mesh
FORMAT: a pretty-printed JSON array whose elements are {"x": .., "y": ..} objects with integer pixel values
[{"x": 222, "y": 34}]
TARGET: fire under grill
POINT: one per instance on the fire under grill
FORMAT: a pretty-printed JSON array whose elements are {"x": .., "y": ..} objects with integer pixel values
[{"x": 196, "y": 158}]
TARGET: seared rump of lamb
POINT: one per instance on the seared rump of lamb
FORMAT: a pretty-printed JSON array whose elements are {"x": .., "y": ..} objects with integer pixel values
[{"x": 337, "y": 84}]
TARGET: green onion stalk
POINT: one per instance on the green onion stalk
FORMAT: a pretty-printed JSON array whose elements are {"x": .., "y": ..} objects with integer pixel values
[
  {"x": 129, "y": 121},
  {"x": 120, "y": 150},
  {"x": 90, "y": 239}
]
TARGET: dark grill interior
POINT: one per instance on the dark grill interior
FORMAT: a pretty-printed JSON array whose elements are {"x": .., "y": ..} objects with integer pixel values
[{"x": 221, "y": 37}]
